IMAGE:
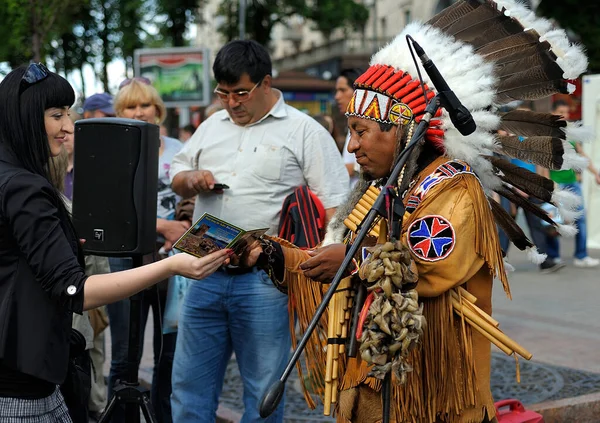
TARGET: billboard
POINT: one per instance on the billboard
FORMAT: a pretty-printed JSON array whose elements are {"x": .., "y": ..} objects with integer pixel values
[{"x": 181, "y": 75}]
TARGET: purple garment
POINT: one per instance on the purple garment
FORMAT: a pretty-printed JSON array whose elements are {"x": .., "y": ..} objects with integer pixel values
[{"x": 69, "y": 185}]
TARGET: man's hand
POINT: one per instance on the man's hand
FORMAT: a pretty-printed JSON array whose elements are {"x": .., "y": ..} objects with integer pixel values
[
  {"x": 324, "y": 263},
  {"x": 597, "y": 177},
  {"x": 200, "y": 181},
  {"x": 171, "y": 230},
  {"x": 250, "y": 252}
]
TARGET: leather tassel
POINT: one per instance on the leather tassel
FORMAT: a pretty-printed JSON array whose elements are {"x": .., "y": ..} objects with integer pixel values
[
  {"x": 543, "y": 151},
  {"x": 529, "y": 124}
]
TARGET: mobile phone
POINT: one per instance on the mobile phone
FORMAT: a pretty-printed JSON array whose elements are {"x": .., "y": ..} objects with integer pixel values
[{"x": 218, "y": 187}]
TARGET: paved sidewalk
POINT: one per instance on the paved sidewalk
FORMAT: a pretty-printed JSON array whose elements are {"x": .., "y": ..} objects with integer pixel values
[{"x": 555, "y": 316}]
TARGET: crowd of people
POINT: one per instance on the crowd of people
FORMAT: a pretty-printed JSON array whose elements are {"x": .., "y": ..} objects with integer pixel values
[{"x": 56, "y": 303}]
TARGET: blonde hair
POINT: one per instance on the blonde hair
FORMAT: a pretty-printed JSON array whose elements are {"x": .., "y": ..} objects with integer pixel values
[{"x": 137, "y": 92}]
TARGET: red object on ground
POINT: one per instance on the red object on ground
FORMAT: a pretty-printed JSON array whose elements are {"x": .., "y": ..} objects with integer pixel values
[{"x": 516, "y": 412}]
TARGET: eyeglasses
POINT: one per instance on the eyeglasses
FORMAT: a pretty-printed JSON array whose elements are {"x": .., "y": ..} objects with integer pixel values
[
  {"x": 141, "y": 79},
  {"x": 35, "y": 73},
  {"x": 238, "y": 96}
]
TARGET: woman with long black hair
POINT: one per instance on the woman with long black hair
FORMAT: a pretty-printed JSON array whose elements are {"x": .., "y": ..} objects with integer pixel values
[{"x": 42, "y": 279}]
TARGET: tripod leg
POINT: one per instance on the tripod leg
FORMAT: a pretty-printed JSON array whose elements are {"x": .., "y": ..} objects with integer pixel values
[
  {"x": 108, "y": 411},
  {"x": 148, "y": 410},
  {"x": 386, "y": 394}
]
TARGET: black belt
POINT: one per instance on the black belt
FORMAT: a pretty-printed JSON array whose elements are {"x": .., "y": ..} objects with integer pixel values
[{"x": 236, "y": 270}]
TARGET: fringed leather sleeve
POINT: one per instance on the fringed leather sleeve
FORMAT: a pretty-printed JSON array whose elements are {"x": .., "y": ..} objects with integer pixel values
[{"x": 451, "y": 235}]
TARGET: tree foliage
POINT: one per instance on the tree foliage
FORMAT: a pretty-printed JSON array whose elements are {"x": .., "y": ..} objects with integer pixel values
[
  {"x": 329, "y": 15},
  {"x": 580, "y": 17},
  {"x": 177, "y": 16},
  {"x": 263, "y": 15}
]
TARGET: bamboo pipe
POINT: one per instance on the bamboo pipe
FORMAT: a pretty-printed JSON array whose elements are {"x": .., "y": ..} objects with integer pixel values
[
  {"x": 329, "y": 360},
  {"x": 476, "y": 309},
  {"x": 493, "y": 331},
  {"x": 466, "y": 294}
]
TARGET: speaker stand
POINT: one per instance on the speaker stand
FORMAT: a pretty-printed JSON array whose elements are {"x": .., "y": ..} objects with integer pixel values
[{"x": 129, "y": 393}]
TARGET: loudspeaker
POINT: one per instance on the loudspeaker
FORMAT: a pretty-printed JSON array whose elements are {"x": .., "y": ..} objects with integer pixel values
[{"x": 115, "y": 184}]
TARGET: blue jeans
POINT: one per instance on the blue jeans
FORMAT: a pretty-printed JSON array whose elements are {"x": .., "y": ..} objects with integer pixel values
[
  {"x": 118, "y": 314},
  {"x": 581, "y": 237},
  {"x": 221, "y": 314}
]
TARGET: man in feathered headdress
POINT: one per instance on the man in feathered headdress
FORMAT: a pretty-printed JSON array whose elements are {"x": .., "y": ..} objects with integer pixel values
[{"x": 490, "y": 53}]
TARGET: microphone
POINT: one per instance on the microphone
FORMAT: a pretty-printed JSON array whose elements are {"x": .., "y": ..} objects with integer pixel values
[{"x": 459, "y": 114}]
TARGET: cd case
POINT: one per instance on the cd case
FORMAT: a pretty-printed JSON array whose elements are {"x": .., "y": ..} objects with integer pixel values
[{"x": 209, "y": 234}]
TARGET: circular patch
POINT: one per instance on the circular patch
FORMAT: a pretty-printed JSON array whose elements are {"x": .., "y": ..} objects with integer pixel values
[
  {"x": 431, "y": 238},
  {"x": 400, "y": 114}
]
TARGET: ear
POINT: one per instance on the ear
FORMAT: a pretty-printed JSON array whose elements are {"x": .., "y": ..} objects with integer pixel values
[{"x": 267, "y": 82}]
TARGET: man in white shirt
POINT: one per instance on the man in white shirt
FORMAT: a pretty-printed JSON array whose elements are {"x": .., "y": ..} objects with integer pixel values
[{"x": 261, "y": 149}]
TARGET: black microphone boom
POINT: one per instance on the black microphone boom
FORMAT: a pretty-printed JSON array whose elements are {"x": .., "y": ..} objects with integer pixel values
[{"x": 459, "y": 115}]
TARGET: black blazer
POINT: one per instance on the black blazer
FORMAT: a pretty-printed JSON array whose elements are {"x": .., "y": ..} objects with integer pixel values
[{"x": 41, "y": 279}]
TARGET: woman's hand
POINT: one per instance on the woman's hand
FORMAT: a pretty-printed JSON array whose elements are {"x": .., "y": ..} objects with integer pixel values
[
  {"x": 198, "y": 268},
  {"x": 324, "y": 263}
]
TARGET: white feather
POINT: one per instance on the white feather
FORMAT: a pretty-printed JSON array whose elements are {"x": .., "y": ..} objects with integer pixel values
[
  {"x": 508, "y": 267},
  {"x": 577, "y": 131},
  {"x": 534, "y": 256},
  {"x": 567, "y": 230},
  {"x": 570, "y": 215},
  {"x": 565, "y": 199}
]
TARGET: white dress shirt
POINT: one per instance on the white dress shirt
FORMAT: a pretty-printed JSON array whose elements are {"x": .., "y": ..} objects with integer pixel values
[{"x": 262, "y": 163}]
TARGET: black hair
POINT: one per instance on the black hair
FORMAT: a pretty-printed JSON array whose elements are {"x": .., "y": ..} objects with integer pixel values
[
  {"x": 189, "y": 128},
  {"x": 559, "y": 103},
  {"x": 22, "y": 128},
  {"x": 239, "y": 57},
  {"x": 351, "y": 74},
  {"x": 23, "y": 131}
]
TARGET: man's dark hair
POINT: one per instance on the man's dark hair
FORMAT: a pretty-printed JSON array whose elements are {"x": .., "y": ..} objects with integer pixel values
[
  {"x": 239, "y": 57},
  {"x": 351, "y": 74},
  {"x": 559, "y": 103},
  {"x": 189, "y": 128}
]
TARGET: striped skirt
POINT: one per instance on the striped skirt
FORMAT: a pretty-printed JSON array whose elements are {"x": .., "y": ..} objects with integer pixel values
[{"x": 51, "y": 409}]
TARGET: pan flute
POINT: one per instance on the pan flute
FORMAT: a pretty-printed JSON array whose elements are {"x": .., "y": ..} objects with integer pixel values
[{"x": 360, "y": 211}]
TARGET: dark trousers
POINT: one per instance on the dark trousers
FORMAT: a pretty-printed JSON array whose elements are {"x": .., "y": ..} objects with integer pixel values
[{"x": 163, "y": 346}]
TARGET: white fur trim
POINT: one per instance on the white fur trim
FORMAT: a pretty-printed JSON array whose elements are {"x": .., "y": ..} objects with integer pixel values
[
  {"x": 567, "y": 230},
  {"x": 534, "y": 256}
]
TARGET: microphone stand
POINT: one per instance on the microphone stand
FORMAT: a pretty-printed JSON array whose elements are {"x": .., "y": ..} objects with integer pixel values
[{"x": 273, "y": 396}]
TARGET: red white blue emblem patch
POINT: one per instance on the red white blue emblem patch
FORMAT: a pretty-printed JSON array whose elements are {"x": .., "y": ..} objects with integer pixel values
[{"x": 431, "y": 238}]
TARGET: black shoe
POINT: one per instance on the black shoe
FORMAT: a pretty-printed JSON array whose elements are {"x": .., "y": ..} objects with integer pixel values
[{"x": 551, "y": 265}]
